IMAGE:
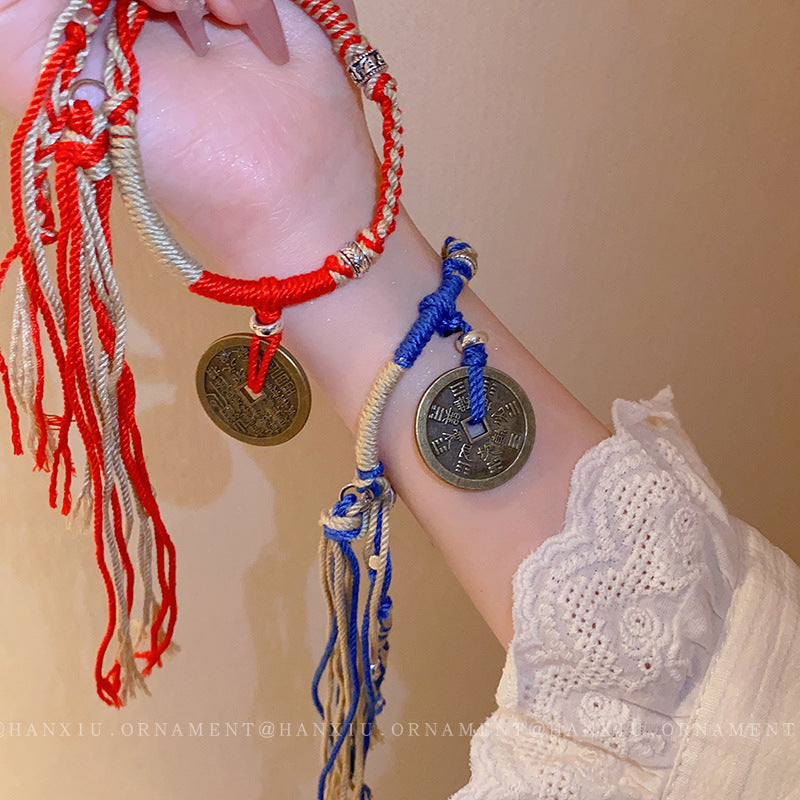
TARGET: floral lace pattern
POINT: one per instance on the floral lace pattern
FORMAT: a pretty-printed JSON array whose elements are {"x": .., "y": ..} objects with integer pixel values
[{"x": 616, "y": 619}]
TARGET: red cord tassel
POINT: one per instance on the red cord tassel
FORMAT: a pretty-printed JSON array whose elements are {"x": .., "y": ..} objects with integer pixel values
[{"x": 77, "y": 313}]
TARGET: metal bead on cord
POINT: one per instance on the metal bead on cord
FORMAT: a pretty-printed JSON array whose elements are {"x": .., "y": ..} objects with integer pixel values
[{"x": 347, "y": 685}]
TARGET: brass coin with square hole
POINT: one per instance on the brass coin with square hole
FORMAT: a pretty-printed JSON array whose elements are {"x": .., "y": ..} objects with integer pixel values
[
  {"x": 480, "y": 456},
  {"x": 274, "y": 415}
]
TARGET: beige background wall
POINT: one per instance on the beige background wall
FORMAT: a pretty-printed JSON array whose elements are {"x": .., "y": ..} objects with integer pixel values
[{"x": 629, "y": 173}]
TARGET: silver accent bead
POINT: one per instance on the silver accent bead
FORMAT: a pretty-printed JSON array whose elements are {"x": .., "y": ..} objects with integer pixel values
[
  {"x": 468, "y": 256},
  {"x": 265, "y": 331},
  {"x": 471, "y": 338},
  {"x": 355, "y": 256},
  {"x": 366, "y": 66}
]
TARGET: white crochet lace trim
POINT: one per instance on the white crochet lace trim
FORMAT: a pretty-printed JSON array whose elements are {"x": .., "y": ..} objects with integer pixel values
[{"x": 615, "y": 619}]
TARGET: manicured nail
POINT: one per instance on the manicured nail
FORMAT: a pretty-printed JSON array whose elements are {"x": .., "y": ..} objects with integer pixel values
[
  {"x": 190, "y": 15},
  {"x": 265, "y": 25}
]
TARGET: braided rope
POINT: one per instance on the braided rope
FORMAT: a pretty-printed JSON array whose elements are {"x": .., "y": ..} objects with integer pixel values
[
  {"x": 76, "y": 308},
  {"x": 266, "y": 298},
  {"x": 127, "y": 160},
  {"x": 353, "y": 665}
]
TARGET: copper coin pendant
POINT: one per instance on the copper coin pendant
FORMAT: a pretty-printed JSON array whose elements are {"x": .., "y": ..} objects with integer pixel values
[
  {"x": 274, "y": 415},
  {"x": 480, "y": 456}
]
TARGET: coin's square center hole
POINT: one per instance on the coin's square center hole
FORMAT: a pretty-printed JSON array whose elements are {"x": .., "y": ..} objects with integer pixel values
[
  {"x": 475, "y": 431},
  {"x": 250, "y": 393}
]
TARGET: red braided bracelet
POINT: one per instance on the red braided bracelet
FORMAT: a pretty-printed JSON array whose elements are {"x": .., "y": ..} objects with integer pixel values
[{"x": 78, "y": 309}]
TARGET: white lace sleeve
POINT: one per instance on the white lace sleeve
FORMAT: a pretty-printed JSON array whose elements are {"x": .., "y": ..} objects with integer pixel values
[{"x": 616, "y": 619}]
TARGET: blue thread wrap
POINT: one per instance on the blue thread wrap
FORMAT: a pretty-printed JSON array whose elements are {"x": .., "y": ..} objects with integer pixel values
[{"x": 438, "y": 314}]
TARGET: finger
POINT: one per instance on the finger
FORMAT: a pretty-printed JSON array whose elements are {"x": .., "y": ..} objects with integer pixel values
[
  {"x": 260, "y": 16},
  {"x": 265, "y": 25},
  {"x": 262, "y": 19},
  {"x": 190, "y": 14}
]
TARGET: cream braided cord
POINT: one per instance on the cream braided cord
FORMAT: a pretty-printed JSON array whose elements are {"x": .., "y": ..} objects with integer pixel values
[{"x": 129, "y": 171}]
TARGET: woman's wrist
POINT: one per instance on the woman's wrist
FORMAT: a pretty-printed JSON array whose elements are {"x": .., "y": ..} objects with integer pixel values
[{"x": 344, "y": 338}]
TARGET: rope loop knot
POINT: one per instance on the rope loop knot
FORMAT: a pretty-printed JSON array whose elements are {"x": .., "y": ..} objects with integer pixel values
[
  {"x": 444, "y": 317},
  {"x": 437, "y": 311},
  {"x": 84, "y": 141},
  {"x": 343, "y": 523}
]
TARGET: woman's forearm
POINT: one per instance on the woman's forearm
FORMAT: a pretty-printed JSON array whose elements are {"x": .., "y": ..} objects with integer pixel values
[{"x": 344, "y": 338}]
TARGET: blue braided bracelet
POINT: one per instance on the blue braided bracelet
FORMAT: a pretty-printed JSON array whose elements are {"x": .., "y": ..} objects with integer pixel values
[{"x": 353, "y": 664}]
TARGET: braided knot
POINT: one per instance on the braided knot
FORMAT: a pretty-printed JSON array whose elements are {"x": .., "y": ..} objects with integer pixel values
[
  {"x": 373, "y": 485},
  {"x": 343, "y": 522},
  {"x": 76, "y": 33},
  {"x": 80, "y": 145},
  {"x": 442, "y": 313}
]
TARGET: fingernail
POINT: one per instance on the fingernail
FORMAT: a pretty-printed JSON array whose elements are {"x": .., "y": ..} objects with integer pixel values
[
  {"x": 265, "y": 25},
  {"x": 190, "y": 15}
]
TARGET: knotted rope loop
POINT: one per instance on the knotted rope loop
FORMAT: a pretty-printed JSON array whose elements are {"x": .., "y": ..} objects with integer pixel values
[
  {"x": 437, "y": 313},
  {"x": 441, "y": 312},
  {"x": 72, "y": 303},
  {"x": 84, "y": 142},
  {"x": 336, "y": 270},
  {"x": 343, "y": 523},
  {"x": 366, "y": 489},
  {"x": 353, "y": 665}
]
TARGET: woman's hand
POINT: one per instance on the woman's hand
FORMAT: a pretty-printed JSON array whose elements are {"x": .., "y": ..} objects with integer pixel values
[
  {"x": 268, "y": 167},
  {"x": 271, "y": 168}
]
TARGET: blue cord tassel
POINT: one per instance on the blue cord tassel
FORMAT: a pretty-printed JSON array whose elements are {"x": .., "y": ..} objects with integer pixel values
[{"x": 355, "y": 656}]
